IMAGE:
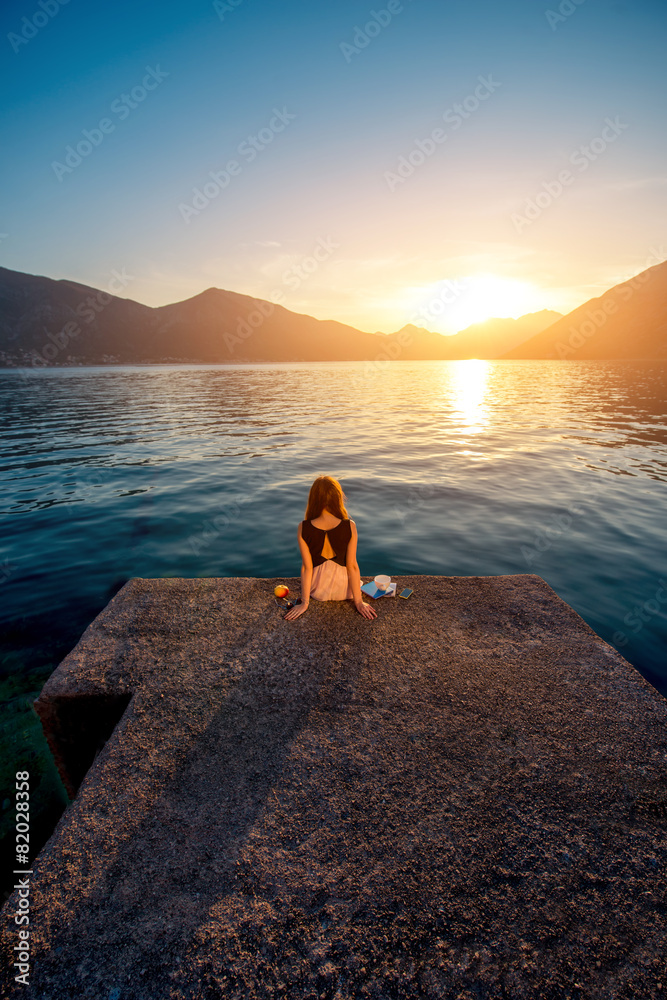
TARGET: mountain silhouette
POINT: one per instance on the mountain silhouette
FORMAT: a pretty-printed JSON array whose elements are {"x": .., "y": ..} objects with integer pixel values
[
  {"x": 628, "y": 321},
  {"x": 47, "y": 321},
  {"x": 494, "y": 337}
]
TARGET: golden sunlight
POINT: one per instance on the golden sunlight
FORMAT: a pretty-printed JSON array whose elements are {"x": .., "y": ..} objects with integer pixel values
[
  {"x": 469, "y": 385},
  {"x": 454, "y": 304}
]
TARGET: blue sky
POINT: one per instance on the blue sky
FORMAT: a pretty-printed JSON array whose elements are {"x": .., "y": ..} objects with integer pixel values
[{"x": 354, "y": 105}]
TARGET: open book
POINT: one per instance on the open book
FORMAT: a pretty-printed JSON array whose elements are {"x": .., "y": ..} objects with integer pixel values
[{"x": 371, "y": 589}]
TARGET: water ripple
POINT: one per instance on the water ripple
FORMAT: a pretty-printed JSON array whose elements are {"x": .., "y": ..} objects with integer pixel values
[{"x": 474, "y": 467}]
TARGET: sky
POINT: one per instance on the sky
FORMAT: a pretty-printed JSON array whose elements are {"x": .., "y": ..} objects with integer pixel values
[{"x": 378, "y": 164}]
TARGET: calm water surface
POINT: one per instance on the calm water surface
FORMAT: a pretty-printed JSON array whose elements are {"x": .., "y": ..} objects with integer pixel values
[{"x": 453, "y": 468}]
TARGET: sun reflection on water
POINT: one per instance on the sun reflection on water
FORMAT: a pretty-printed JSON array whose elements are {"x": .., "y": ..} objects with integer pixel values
[{"x": 468, "y": 390}]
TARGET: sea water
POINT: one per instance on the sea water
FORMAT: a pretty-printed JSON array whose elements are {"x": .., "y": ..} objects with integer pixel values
[{"x": 456, "y": 468}]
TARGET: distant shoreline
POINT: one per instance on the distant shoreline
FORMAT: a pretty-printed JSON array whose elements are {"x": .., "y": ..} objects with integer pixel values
[{"x": 255, "y": 363}]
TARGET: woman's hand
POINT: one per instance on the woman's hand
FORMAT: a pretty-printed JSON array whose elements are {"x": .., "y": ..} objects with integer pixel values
[
  {"x": 366, "y": 610},
  {"x": 294, "y": 612}
]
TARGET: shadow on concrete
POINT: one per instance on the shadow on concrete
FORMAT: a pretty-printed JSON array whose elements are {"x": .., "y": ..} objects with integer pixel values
[{"x": 182, "y": 858}]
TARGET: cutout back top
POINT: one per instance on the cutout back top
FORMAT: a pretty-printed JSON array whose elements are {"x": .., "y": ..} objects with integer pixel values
[{"x": 316, "y": 539}]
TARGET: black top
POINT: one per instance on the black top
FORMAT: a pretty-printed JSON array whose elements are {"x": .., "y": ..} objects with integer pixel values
[{"x": 338, "y": 539}]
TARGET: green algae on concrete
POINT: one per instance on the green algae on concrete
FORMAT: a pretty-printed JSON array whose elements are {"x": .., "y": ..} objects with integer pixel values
[{"x": 463, "y": 798}]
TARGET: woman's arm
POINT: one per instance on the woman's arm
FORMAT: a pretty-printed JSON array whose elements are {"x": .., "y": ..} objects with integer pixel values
[
  {"x": 306, "y": 580},
  {"x": 354, "y": 577}
]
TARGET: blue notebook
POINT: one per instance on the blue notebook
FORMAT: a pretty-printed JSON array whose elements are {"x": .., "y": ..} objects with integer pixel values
[{"x": 372, "y": 590}]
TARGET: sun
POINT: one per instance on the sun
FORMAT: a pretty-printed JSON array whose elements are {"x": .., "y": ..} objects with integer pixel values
[{"x": 454, "y": 304}]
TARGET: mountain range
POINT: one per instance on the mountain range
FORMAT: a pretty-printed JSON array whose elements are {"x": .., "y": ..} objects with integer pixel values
[
  {"x": 628, "y": 321},
  {"x": 44, "y": 321},
  {"x": 59, "y": 322}
]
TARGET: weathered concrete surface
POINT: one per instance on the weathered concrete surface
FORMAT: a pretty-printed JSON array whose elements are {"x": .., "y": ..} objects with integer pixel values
[{"x": 464, "y": 798}]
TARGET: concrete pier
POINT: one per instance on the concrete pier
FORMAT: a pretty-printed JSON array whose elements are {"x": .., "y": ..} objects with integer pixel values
[{"x": 464, "y": 798}]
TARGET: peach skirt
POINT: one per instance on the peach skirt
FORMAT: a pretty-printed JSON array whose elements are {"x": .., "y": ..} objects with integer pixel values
[{"x": 330, "y": 582}]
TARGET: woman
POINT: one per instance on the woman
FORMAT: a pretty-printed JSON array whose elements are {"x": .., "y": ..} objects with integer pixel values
[{"x": 328, "y": 545}]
